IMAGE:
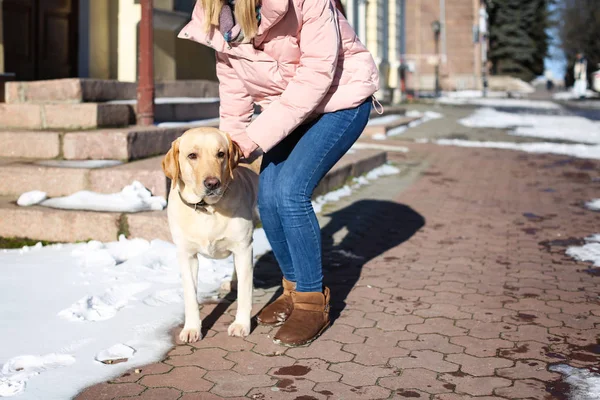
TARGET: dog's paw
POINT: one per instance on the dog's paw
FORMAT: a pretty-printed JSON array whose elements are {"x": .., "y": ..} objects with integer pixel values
[
  {"x": 190, "y": 334},
  {"x": 239, "y": 329},
  {"x": 229, "y": 286}
]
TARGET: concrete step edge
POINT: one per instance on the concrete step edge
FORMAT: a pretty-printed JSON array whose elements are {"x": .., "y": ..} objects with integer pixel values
[{"x": 42, "y": 223}]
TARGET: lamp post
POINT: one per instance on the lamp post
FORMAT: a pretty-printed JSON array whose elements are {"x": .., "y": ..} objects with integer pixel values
[
  {"x": 145, "y": 91},
  {"x": 436, "y": 26}
]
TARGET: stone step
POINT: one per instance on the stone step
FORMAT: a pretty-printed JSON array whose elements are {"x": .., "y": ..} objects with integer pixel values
[
  {"x": 76, "y": 90},
  {"x": 43, "y": 223},
  {"x": 64, "y": 116},
  {"x": 60, "y": 178},
  {"x": 380, "y": 127},
  {"x": 180, "y": 109}
]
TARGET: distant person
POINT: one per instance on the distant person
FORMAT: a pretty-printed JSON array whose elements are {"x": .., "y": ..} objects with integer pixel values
[
  {"x": 550, "y": 85},
  {"x": 580, "y": 76}
]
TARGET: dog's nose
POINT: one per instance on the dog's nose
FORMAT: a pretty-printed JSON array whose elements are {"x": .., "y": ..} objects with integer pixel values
[{"x": 212, "y": 183}]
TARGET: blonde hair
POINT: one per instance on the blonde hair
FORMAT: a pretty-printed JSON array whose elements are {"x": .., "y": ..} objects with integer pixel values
[{"x": 244, "y": 13}]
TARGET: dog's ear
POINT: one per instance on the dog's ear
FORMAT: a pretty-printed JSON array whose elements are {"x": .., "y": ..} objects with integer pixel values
[
  {"x": 234, "y": 155},
  {"x": 170, "y": 163}
]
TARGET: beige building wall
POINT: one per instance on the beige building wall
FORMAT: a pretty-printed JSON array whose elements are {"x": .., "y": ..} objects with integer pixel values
[{"x": 460, "y": 65}]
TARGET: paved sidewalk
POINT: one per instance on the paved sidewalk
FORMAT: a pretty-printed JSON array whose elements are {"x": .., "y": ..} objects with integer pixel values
[{"x": 456, "y": 287}]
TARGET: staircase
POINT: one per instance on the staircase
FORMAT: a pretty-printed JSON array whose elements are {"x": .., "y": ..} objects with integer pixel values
[{"x": 63, "y": 136}]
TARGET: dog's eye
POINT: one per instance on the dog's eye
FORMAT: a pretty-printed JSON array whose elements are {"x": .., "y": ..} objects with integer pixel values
[
  {"x": 221, "y": 154},
  {"x": 192, "y": 156}
]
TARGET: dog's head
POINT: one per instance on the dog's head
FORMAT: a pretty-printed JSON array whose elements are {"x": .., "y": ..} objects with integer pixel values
[{"x": 201, "y": 164}]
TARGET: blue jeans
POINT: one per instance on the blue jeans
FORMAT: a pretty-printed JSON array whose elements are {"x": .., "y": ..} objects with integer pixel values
[{"x": 290, "y": 172}]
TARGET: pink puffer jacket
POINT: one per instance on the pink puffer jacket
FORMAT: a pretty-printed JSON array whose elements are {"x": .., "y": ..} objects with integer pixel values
[{"x": 305, "y": 60}]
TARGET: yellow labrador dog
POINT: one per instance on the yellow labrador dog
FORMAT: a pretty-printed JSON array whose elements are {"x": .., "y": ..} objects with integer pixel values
[{"x": 212, "y": 205}]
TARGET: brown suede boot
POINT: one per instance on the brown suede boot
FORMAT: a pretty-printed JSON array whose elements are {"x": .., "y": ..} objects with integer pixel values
[
  {"x": 278, "y": 311},
  {"x": 309, "y": 319}
]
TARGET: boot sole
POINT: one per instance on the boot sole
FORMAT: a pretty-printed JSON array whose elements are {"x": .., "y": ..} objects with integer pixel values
[{"x": 304, "y": 344}]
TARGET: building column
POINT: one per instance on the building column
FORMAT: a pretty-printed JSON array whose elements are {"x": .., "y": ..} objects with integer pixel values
[
  {"x": 129, "y": 17},
  {"x": 1, "y": 42}
]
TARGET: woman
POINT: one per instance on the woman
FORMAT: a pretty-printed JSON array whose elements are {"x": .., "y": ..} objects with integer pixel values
[{"x": 302, "y": 63}]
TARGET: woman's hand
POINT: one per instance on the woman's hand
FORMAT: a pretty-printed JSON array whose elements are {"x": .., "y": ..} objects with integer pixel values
[{"x": 246, "y": 144}]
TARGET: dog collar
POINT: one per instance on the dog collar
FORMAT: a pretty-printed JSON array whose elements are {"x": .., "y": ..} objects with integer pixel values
[{"x": 198, "y": 207}]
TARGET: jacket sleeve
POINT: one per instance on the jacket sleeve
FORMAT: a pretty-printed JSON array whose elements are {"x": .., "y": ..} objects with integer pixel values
[
  {"x": 319, "y": 40},
  {"x": 236, "y": 106}
]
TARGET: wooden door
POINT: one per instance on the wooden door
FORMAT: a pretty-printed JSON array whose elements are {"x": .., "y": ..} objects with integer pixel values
[{"x": 40, "y": 38}]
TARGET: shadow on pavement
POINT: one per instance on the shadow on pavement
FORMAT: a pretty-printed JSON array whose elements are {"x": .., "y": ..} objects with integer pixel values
[{"x": 352, "y": 237}]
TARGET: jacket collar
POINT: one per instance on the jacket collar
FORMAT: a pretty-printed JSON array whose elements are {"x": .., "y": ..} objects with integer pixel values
[{"x": 271, "y": 12}]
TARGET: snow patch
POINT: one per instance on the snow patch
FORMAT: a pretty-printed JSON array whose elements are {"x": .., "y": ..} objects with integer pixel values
[
  {"x": 593, "y": 205},
  {"x": 346, "y": 190},
  {"x": 571, "y": 128},
  {"x": 18, "y": 370},
  {"x": 84, "y": 164},
  {"x": 133, "y": 198},
  {"x": 588, "y": 252},
  {"x": 499, "y": 102},
  {"x": 584, "y": 384},
  {"x": 118, "y": 352},
  {"x": 104, "y": 306},
  {"x": 31, "y": 198},
  {"x": 572, "y": 150},
  {"x": 573, "y": 95}
]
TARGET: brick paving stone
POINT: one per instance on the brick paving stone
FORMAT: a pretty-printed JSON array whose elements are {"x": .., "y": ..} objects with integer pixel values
[
  {"x": 372, "y": 293},
  {"x": 487, "y": 330},
  {"x": 180, "y": 351},
  {"x": 252, "y": 363},
  {"x": 206, "y": 396},
  {"x": 579, "y": 321},
  {"x": 379, "y": 338},
  {"x": 187, "y": 379},
  {"x": 107, "y": 391},
  {"x": 223, "y": 341},
  {"x": 209, "y": 359},
  {"x": 230, "y": 383},
  {"x": 389, "y": 322},
  {"x": 402, "y": 394},
  {"x": 136, "y": 374},
  {"x": 488, "y": 314},
  {"x": 342, "y": 334},
  {"x": 408, "y": 294},
  {"x": 359, "y": 375},
  {"x": 431, "y": 360},
  {"x": 530, "y": 350},
  {"x": 341, "y": 391},
  {"x": 417, "y": 378},
  {"x": 287, "y": 388},
  {"x": 531, "y": 332},
  {"x": 314, "y": 370},
  {"x": 478, "y": 366},
  {"x": 326, "y": 350},
  {"x": 372, "y": 355},
  {"x": 531, "y": 317},
  {"x": 159, "y": 394},
  {"x": 355, "y": 318},
  {"x": 442, "y": 310},
  {"x": 524, "y": 389},
  {"x": 437, "y": 325},
  {"x": 481, "y": 347},
  {"x": 525, "y": 369},
  {"x": 433, "y": 342},
  {"x": 475, "y": 386},
  {"x": 454, "y": 396}
]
